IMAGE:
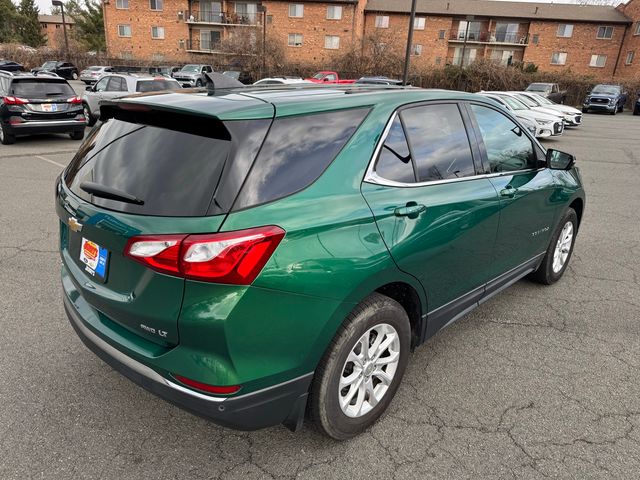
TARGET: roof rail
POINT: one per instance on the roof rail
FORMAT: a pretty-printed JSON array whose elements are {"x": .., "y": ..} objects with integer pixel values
[{"x": 45, "y": 72}]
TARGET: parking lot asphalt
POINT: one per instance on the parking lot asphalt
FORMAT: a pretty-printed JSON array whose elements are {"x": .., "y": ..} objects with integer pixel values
[{"x": 537, "y": 382}]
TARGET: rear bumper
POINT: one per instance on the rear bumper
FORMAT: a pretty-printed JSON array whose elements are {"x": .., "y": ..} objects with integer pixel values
[
  {"x": 46, "y": 126},
  {"x": 282, "y": 403}
]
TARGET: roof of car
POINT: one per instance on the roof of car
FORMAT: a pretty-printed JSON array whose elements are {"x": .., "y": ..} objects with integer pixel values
[{"x": 256, "y": 102}]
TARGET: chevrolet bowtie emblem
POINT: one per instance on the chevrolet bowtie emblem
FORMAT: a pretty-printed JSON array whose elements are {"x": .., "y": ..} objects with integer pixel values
[{"x": 74, "y": 224}]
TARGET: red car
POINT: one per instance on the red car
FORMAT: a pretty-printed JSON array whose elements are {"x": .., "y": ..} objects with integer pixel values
[{"x": 328, "y": 77}]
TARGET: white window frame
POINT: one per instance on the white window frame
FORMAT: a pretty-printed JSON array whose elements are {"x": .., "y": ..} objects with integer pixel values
[
  {"x": 122, "y": 4},
  {"x": 594, "y": 61},
  {"x": 157, "y": 2},
  {"x": 295, "y": 37},
  {"x": 419, "y": 23},
  {"x": 561, "y": 58},
  {"x": 606, "y": 29},
  {"x": 296, "y": 10},
  {"x": 382, "y": 21},
  {"x": 331, "y": 42},
  {"x": 637, "y": 30},
  {"x": 564, "y": 27},
  {"x": 334, "y": 12},
  {"x": 629, "y": 58},
  {"x": 121, "y": 28},
  {"x": 158, "y": 29},
  {"x": 416, "y": 49}
]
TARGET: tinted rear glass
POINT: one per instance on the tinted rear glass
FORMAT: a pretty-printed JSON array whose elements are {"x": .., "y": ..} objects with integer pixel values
[
  {"x": 296, "y": 152},
  {"x": 175, "y": 173},
  {"x": 38, "y": 88},
  {"x": 156, "y": 85}
]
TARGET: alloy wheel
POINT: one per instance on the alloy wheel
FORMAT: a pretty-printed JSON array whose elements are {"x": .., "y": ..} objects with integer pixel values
[{"x": 563, "y": 247}]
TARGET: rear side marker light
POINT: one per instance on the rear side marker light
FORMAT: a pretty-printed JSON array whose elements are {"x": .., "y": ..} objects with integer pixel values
[
  {"x": 231, "y": 257},
  {"x": 225, "y": 390}
]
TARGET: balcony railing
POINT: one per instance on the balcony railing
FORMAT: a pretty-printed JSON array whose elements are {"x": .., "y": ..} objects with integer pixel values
[
  {"x": 197, "y": 45},
  {"x": 490, "y": 37},
  {"x": 222, "y": 18}
]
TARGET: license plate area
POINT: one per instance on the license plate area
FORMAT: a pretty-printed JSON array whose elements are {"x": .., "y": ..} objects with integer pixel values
[{"x": 95, "y": 260}]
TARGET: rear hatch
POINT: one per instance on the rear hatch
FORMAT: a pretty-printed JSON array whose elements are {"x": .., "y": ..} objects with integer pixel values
[
  {"x": 46, "y": 98},
  {"x": 183, "y": 171}
]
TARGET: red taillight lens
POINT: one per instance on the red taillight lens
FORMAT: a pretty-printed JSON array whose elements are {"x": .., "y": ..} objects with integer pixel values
[
  {"x": 15, "y": 101},
  {"x": 74, "y": 100},
  {"x": 230, "y": 257},
  {"x": 225, "y": 390}
]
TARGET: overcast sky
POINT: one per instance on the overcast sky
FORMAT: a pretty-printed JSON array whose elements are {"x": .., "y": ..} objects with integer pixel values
[{"x": 45, "y": 5}]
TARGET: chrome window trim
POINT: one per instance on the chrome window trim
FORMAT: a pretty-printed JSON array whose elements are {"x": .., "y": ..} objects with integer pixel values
[{"x": 373, "y": 178}]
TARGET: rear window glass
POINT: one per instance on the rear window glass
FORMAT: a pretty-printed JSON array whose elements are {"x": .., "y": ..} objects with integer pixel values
[
  {"x": 296, "y": 152},
  {"x": 31, "y": 88},
  {"x": 156, "y": 85},
  {"x": 174, "y": 172}
]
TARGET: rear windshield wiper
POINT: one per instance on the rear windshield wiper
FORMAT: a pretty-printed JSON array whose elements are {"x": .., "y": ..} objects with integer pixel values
[{"x": 110, "y": 193}]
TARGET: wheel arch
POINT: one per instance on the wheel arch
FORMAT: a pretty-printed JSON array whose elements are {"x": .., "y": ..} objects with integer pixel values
[{"x": 578, "y": 206}]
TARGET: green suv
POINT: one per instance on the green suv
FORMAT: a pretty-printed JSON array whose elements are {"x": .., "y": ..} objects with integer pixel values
[{"x": 262, "y": 255}]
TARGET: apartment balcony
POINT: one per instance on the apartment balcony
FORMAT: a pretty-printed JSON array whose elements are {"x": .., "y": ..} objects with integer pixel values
[
  {"x": 199, "y": 46},
  {"x": 223, "y": 18},
  {"x": 490, "y": 37}
]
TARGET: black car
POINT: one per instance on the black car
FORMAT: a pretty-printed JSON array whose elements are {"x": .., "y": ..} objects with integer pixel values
[
  {"x": 64, "y": 69},
  {"x": 9, "y": 66},
  {"x": 33, "y": 104},
  {"x": 605, "y": 98}
]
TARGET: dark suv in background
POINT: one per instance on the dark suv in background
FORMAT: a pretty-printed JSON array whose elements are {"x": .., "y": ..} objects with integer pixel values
[
  {"x": 605, "y": 98},
  {"x": 33, "y": 104}
]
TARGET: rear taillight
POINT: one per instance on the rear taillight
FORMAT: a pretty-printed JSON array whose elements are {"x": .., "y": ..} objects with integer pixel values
[
  {"x": 205, "y": 387},
  {"x": 230, "y": 257},
  {"x": 15, "y": 101},
  {"x": 74, "y": 100}
]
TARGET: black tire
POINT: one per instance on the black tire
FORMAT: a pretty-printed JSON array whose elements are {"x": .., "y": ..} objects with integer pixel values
[
  {"x": 5, "y": 137},
  {"x": 324, "y": 405},
  {"x": 77, "y": 135},
  {"x": 545, "y": 273},
  {"x": 91, "y": 120},
  {"x": 636, "y": 111},
  {"x": 621, "y": 109},
  {"x": 585, "y": 110},
  {"x": 198, "y": 83},
  {"x": 615, "y": 110}
]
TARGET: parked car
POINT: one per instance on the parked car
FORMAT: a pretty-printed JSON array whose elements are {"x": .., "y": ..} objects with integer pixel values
[
  {"x": 551, "y": 91},
  {"x": 64, "y": 69},
  {"x": 34, "y": 104},
  {"x": 312, "y": 249},
  {"x": 282, "y": 81},
  {"x": 116, "y": 85},
  {"x": 327, "y": 76},
  {"x": 193, "y": 75},
  {"x": 167, "y": 70},
  {"x": 546, "y": 125},
  {"x": 605, "y": 98},
  {"x": 91, "y": 74},
  {"x": 636, "y": 106},
  {"x": 531, "y": 104},
  {"x": 572, "y": 116},
  {"x": 381, "y": 80},
  {"x": 9, "y": 66},
  {"x": 241, "y": 75}
]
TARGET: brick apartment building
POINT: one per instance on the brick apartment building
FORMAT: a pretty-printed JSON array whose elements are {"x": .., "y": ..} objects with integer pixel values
[
  {"x": 595, "y": 40},
  {"x": 52, "y": 28}
]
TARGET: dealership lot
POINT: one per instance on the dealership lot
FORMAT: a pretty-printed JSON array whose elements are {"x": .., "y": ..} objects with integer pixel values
[{"x": 539, "y": 381}]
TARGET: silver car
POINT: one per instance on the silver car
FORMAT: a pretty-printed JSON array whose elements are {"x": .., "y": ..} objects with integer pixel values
[
  {"x": 92, "y": 74},
  {"x": 119, "y": 85}
]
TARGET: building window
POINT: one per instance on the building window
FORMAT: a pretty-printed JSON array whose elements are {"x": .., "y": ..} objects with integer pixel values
[
  {"x": 535, "y": 38},
  {"x": 332, "y": 42},
  {"x": 605, "y": 32},
  {"x": 441, "y": 34},
  {"x": 637, "y": 29},
  {"x": 565, "y": 30},
  {"x": 558, "y": 58},
  {"x": 296, "y": 10},
  {"x": 419, "y": 23},
  {"x": 57, "y": 25},
  {"x": 124, "y": 30},
  {"x": 156, "y": 4},
  {"x": 382, "y": 21},
  {"x": 157, "y": 32},
  {"x": 122, "y": 4},
  {"x": 334, "y": 12},
  {"x": 416, "y": 50},
  {"x": 598, "y": 61},
  {"x": 269, "y": 19},
  {"x": 295, "y": 39},
  {"x": 629, "y": 59},
  {"x": 438, "y": 60}
]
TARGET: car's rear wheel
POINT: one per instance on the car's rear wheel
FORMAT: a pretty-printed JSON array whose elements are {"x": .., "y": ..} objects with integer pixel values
[
  {"x": 77, "y": 135},
  {"x": 88, "y": 116},
  {"x": 560, "y": 249},
  {"x": 362, "y": 368},
  {"x": 5, "y": 137}
]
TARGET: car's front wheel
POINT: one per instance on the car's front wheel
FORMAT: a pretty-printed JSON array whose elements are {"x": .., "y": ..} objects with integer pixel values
[
  {"x": 559, "y": 251},
  {"x": 198, "y": 83},
  {"x": 362, "y": 368}
]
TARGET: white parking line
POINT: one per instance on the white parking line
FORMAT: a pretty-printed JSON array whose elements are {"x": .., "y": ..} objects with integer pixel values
[{"x": 50, "y": 161}]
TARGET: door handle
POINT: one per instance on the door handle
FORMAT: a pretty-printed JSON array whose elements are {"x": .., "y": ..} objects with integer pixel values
[
  {"x": 508, "y": 191},
  {"x": 412, "y": 210}
]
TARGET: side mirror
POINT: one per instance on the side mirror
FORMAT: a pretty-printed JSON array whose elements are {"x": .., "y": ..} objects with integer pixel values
[{"x": 557, "y": 160}]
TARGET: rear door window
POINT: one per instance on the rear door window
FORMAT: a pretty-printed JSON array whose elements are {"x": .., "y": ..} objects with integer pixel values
[
  {"x": 38, "y": 88},
  {"x": 296, "y": 152}
]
